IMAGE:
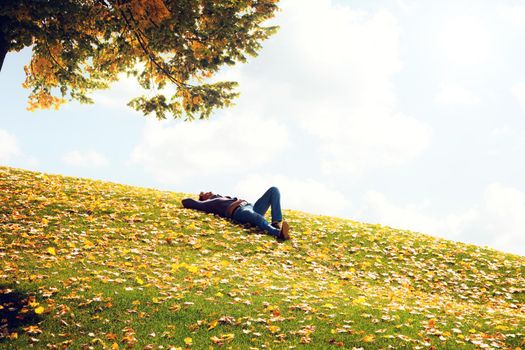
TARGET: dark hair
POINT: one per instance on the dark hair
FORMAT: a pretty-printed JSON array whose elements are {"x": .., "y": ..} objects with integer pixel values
[{"x": 202, "y": 194}]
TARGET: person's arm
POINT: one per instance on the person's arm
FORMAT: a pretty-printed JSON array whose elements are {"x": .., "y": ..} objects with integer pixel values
[
  {"x": 216, "y": 205},
  {"x": 194, "y": 204}
]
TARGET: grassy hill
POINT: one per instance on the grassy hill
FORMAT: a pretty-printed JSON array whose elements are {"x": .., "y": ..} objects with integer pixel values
[{"x": 96, "y": 265}]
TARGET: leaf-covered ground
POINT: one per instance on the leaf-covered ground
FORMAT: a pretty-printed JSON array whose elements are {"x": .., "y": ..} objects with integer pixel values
[{"x": 95, "y": 265}]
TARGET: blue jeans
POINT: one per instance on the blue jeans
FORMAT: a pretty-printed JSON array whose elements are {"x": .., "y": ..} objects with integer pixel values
[{"x": 254, "y": 214}]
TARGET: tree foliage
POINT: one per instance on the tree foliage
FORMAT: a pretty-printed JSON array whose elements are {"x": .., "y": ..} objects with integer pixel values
[{"x": 80, "y": 46}]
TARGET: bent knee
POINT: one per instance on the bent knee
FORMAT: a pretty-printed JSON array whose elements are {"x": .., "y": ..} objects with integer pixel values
[{"x": 274, "y": 189}]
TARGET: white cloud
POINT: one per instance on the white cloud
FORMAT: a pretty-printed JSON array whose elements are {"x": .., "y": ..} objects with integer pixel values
[
  {"x": 120, "y": 93},
  {"x": 358, "y": 145},
  {"x": 518, "y": 90},
  {"x": 300, "y": 194},
  {"x": 503, "y": 218},
  {"x": 455, "y": 94},
  {"x": 9, "y": 148},
  {"x": 503, "y": 132},
  {"x": 85, "y": 159},
  {"x": 175, "y": 151},
  {"x": 11, "y": 153},
  {"x": 408, "y": 7},
  {"x": 465, "y": 39},
  {"x": 378, "y": 208},
  {"x": 496, "y": 221},
  {"x": 515, "y": 14},
  {"x": 334, "y": 79}
]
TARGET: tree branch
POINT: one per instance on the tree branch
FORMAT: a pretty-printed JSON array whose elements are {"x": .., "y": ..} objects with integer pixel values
[
  {"x": 52, "y": 57},
  {"x": 151, "y": 57},
  {"x": 103, "y": 3}
]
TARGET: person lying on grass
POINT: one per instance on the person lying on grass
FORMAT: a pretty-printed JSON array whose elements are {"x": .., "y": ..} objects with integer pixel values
[{"x": 243, "y": 212}]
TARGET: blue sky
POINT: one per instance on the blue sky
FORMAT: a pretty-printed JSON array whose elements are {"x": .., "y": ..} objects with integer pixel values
[{"x": 405, "y": 113}]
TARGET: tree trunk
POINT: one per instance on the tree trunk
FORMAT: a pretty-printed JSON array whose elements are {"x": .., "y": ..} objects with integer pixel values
[
  {"x": 4, "y": 44},
  {"x": 4, "y": 47}
]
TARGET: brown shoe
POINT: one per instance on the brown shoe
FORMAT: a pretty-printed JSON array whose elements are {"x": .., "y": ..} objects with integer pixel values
[{"x": 285, "y": 231}]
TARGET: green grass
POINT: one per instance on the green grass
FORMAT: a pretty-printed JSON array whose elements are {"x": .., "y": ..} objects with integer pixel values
[{"x": 91, "y": 264}]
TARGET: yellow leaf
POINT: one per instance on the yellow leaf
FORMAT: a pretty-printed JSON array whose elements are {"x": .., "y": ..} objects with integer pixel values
[
  {"x": 114, "y": 346},
  {"x": 369, "y": 338},
  {"x": 188, "y": 341},
  {"x": 228, "y": 337},
  {"x": 192, "y": 269},
  {"x": 52, "y": 251},
  {"x": 224, "y": 338},
  {"x": 359, "y": 300},
  {"x": 39, "y": 310},
  {"x": 175, "y": 307},
  {"x": 274, "y": 329},
  {"x": 213, "y": 324},
  {"x": 139, "y": 280}
]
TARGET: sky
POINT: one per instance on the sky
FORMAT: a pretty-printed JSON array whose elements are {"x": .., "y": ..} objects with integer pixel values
[{"x": 407, "y": 113}]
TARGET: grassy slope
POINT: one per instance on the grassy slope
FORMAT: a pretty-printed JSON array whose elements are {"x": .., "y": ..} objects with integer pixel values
[{"x": 94, "y": 264}]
